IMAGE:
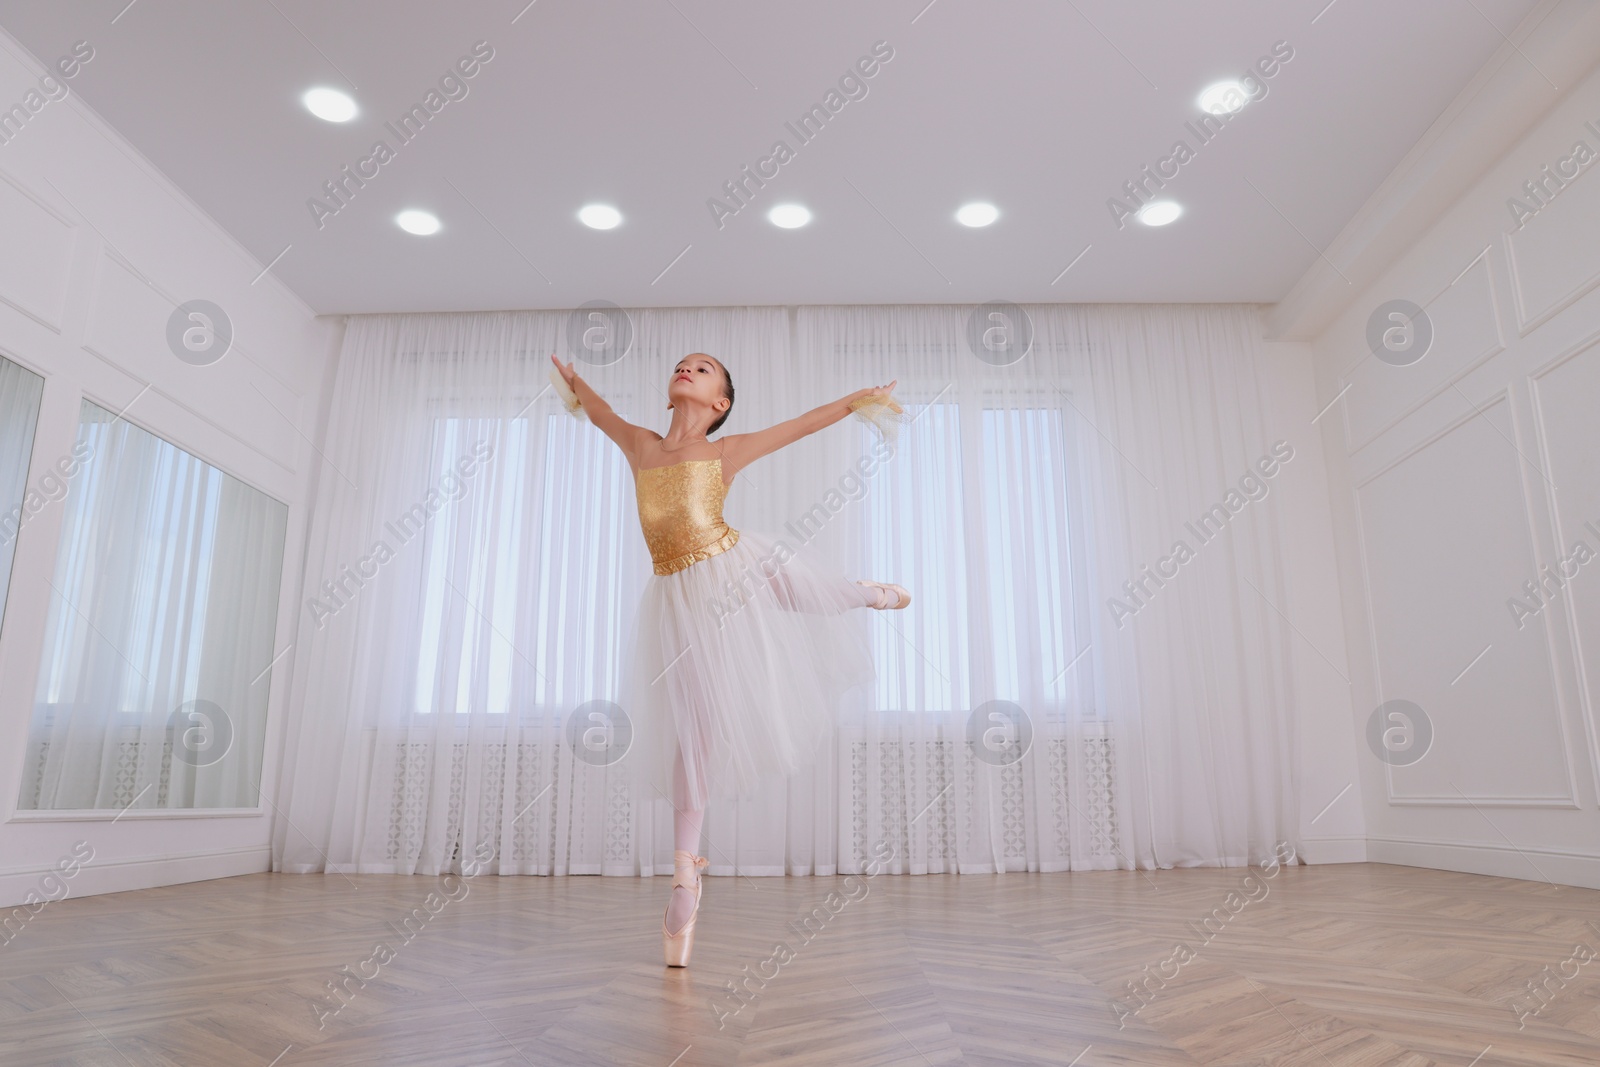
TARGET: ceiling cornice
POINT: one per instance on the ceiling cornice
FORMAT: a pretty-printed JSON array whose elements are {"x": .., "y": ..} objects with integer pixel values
[{"x": 1559, "y": 41}]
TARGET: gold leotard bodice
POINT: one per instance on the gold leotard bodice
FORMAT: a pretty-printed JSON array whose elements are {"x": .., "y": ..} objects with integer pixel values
[{"x": 680, "y": 509}]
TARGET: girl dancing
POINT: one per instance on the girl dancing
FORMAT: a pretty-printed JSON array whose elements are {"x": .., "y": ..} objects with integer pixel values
[{"x": 726, "y": 692}]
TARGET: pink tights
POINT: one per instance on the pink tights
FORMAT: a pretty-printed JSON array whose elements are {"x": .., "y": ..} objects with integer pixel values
[
  {"x": 687, "y": 820},
  {"x": 686, "y": 823}
]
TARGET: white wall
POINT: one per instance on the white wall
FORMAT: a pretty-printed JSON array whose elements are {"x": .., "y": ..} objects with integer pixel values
[
  {"x": 98, "y": 249},
  {"x": 1457, "y": 478}
]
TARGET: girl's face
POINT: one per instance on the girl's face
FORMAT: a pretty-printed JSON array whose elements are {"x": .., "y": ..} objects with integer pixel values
[{"x": 697, "y": 377}]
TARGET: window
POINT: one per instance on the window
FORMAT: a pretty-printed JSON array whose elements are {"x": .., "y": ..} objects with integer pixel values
[
  {"x": 538, "y": 552},
  {"x": 930, "y": 559},
  {"x": 538, "y": 591},
  {"x": 466, "y": 559},
  {"x": 1029, "y": 543},
  {"x": 1023, "y": 527}
]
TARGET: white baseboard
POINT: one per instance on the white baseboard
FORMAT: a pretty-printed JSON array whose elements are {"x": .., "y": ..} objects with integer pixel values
[
  {"x": 1334, "y": 850},
  {"x": 1560, "y": 866},
  {"x": 146, "y": 872},
  {"x": 1529, "y": 864}
]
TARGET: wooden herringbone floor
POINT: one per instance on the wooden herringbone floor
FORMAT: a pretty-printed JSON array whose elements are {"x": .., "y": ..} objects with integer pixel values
[{"x": 1361, "y": 965}]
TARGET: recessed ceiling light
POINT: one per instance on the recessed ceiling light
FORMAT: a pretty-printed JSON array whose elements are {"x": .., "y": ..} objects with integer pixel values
[
  {"x": 977, "y": 214},
  {"x": 330, "y": 105},
  {"x": 1159, "y": 212},
  {"x": 1223, "y": 98},
  {"x": 600, "y": 216},
  {"x": 420, "y": 223},
  {"x": 789, "y": 216}
]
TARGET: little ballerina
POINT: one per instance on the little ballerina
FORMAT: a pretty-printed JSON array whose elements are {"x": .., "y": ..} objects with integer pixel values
[{"x": 722, "y": 700}]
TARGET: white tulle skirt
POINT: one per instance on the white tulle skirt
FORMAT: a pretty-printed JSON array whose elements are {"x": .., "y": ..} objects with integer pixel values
[{"x": 740, "y": 662}]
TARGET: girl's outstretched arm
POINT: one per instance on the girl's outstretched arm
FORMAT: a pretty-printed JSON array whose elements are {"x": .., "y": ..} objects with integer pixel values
[
  {"x": 742, "y": 449},
  {"x": 628, "y": 437}
]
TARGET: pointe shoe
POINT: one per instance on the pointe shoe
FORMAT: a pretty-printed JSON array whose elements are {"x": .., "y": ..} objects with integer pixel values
[
  {"x": 902, "y": 598},
  {"x": 685, "y": 874}
]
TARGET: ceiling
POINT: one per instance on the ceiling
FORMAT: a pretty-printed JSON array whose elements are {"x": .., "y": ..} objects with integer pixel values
[{"x": 1043, "y": 109}]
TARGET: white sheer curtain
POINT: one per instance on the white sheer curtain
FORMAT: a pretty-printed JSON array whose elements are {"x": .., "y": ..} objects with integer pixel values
[
  {"x": 1028, "y": 489},
  {"x": 474, "y": 560},
  {"x": 1198, "y": 681},
  {"x": 1015, "y": 725},
  {"x": 151, "y": 689}
]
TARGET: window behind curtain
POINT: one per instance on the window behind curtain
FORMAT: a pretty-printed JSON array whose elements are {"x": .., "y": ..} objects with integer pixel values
[
  {"x": 929, "y": 557},
  {"x": 536, "y": 531},
  {"x": 490, "y": 619},
  {"x": 1025, "y": 512},
  {"x": 1027, "y": 531}
]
